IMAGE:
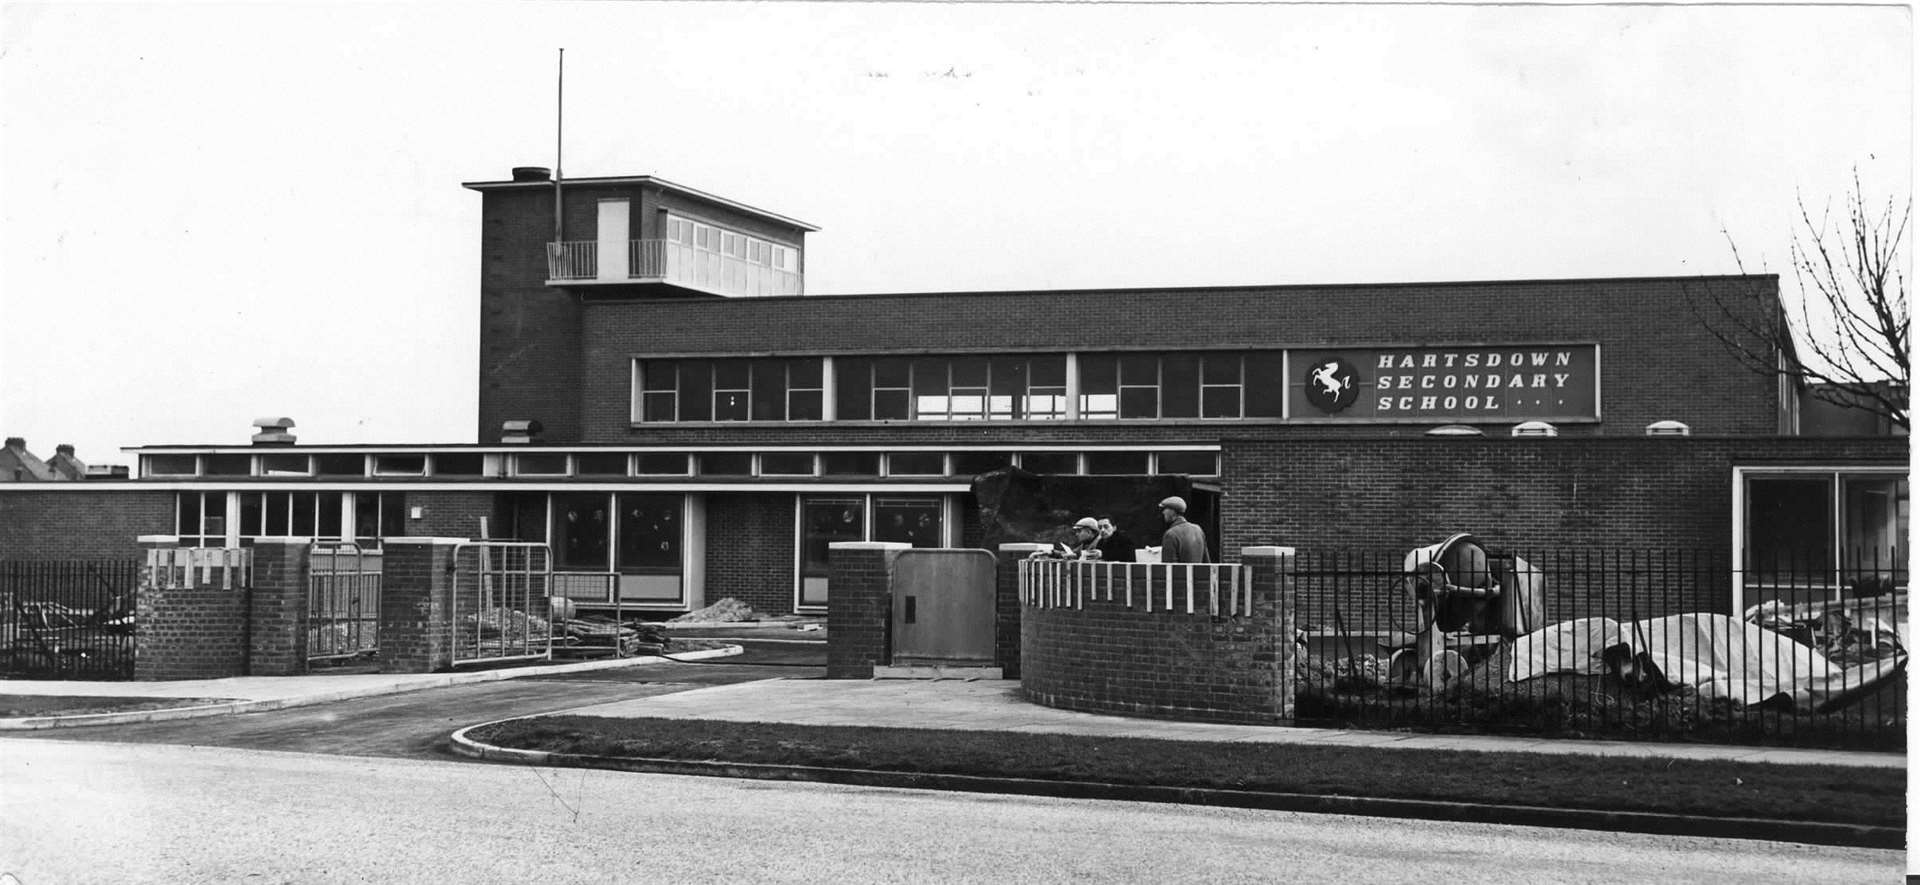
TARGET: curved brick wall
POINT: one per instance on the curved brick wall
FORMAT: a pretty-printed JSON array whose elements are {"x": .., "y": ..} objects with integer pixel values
[{"x": 1103, "y": 657}]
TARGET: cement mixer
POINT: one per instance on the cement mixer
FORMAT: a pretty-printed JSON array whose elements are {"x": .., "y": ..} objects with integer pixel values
[{"x": 1459, "y": 585}]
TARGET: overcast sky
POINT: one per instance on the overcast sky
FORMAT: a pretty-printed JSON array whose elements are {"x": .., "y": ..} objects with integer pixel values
[{"x": 219, "y": 212}]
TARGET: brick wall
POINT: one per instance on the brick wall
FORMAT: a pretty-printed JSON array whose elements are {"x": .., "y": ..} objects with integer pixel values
[
  {"x": 750, "y": 550},
  {"x": 529, "y": 331},
  {"x": 1658, "y": 361},
  {"x": 1535, "y": 497},
  {"x": 80, "y": 524},
  {"x": 1094, "y": 652},
  {"x": 277, "y": 608},
  {"x": 449, "y": 514},
  {"x": 191, "y": 624},
  {"x": 416, "y": 606},
  {"x": 858, "y": 601}
]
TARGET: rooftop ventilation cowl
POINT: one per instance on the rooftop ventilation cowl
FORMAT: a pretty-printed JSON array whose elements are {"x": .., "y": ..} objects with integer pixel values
[
  {"x": 1668, "y": 428},
  {"x": 1535, "y": 429},
  {"x": 273, "y": 432}
]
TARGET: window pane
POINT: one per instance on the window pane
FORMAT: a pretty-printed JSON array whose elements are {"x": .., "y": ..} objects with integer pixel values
[
  {"x": 929, "y": 377},
  {"x": 805, "y": 405},
  {"x": 1874, "y": 519},
  {"x": 659, "y": 375},
  {"x": 252, "y": 513},
  {"x": 172, "y": 465},
  {"x": 696, "y": 391},
  {"x": 581, "y": 532},
  {"x": 540, "y": 464},
  {"x": 1047, "y": 371},
  {"x": 916, "y": 464},
  {"x": 975, "y": 463},
  {"x": 1189, "y": 463},
  {"x": 853, "y": 386},
  {"x": 1131, "y": 463},
  {"x": 601, "y": 463},
  {"x": 891, "y": 372},
  {"x": 1789, "y": 539},
  {"x": 284, "y": 465},
  {"x": 340, "y": 465},
  {"x": 915, "y": 521},
  {"x": 1140, "y": 402},
  {"x": 1220, "y": 368},
  {"x": 327, "y": 510},
  {"x": 726, "y": 463},
  {"x": 279, "y": 522},
  {"x": 786, "y": 464},
  {"x": 824, "y": 521},
  {"x": 770, "y": 391},
  {"x": 187, "y": 522},
  {"x": 303, "y": 515},
  {"x": 1009, "y": 376},
  {"x": 449, "y": 464},
  {"x": 1139, "y": 369},
  {"x": 1100, "y": 405},
  {"x": 890, "y": 405},
  {"x": 1220, "y": 402},
  {"x": 227, "y": 465},
  {"x": 969, "y": 371},
  {"x": 400, "y": 465},
  {"x": 732, "y": 374},
  {"x": 1097, "y": 374},
  {"x": 658, "y": 406},
  {"x": 1050, "y": 462},
  {"x": 850, "y": 463},
  {"x": 1179, "y": 386},
  {"x": 731, "y": 405},
  {"x": 649, "y": 533},
  {"x": 804, "y": 373},
  {"x": 1266, "y": 384},
  {"x": 661, "y": 463}
]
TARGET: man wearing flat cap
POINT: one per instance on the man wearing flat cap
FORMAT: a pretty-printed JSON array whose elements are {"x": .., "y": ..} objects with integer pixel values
[{"x": 1184, "y": 541}]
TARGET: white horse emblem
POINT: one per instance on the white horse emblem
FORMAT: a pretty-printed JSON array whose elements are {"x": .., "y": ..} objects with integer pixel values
[{"x": 1327, "y": 376}]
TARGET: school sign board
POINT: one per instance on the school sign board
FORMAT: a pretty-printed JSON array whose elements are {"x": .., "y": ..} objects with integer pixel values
[{"x": 1494, "y": 382}]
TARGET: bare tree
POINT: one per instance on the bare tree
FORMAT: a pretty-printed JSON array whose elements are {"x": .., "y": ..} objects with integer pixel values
[{"x": 1845, "y": 336}]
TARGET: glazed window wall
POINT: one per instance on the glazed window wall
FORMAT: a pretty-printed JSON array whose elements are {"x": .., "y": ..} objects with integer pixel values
[
  {"x": 638, "y": 536},
  {"x": 1816, "y": 536},
  {"x": 731, "y": 390},
  {"x": 206, "y": 519},
  {"x": 980, "y": 387},
  {"x": 826, "y": 519}
]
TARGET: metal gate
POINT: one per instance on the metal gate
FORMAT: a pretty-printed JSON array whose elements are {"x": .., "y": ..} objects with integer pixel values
[
  {"x": 343, "y": 602},
  {"x": 943, "y": 607},
  {"x": 500, "y": 602}
]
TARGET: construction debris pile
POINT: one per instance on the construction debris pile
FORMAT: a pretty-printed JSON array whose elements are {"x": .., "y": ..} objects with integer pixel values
[{"x": 726, "y": 611}]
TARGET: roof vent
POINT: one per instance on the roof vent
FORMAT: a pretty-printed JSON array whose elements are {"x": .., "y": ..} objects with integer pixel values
[
  {"x": 1535, "y": 428},
  {"x": 273, "y": 432},
  {"x": 531, "y": 173},
  {"x": 106, "y": 471},
  {"x": 520, "y": 431},
  {"x": 1455, "y": 430},
  {"x": 1668, "y": 428}
]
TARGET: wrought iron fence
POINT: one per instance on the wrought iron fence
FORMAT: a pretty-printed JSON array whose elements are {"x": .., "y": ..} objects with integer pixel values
[
  {"x": 343, "y": 602},
  {"x": 1793, "y": 649},
  {"x": 69, "y": 619}
]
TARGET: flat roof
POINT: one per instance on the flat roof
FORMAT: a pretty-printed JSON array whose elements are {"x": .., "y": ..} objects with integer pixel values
[{"x": 644, "y": 180}]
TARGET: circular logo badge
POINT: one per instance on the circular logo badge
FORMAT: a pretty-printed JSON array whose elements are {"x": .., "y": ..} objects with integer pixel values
[{"x": 1332, "y": 384}]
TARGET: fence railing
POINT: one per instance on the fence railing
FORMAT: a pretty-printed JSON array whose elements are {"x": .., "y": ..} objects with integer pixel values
[
  {"x": 500, "y": 602},
  {"x": 1670, "y": 644},
  {"x": 68, "y": 619},
  {"x": 343, "y": 602},
  {"x": 1192, "y": 588}
]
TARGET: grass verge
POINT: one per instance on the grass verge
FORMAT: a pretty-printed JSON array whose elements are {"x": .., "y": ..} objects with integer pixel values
[
  {"x": 1832, "y": 794},
  {"x": 23, "y": 706}
]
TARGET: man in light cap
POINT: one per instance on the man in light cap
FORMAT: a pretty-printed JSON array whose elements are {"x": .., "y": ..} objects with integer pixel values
[
  {"x": 1184, "y": 541},
  {"x": 1086, "y": 535}
]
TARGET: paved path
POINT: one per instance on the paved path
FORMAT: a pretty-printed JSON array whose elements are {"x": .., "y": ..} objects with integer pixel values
[{"x": 995, "y": 705}]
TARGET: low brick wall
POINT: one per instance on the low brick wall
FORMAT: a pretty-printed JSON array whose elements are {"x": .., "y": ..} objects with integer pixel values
[
  {"x": 193, "y": 619},
  {"x": 1095, "y": 652}
]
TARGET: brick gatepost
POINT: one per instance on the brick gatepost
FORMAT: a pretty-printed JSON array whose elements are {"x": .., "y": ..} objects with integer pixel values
[
  {"x": 860, "y": 606},
  {"x": 191, "y": 622},
  {"x": 277, "y": 645},
  {"x": 1006, "y": 605},
  {"x": 1274, "y": 601},
  {"x": 416, "y": 605}
]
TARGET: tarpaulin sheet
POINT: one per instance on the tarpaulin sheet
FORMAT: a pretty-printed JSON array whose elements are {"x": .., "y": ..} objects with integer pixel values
[{"x": 1715, "y": 654}]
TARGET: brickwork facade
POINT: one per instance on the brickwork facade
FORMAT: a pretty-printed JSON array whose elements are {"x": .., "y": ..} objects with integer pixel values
[
  {"x": 858, "y": 607},
  {"x": 1091, "y": 651},
  {"x": 277, "y": 608},
  {"x": 191, "y": 623},
  {"x": 416, "y": 605},
  {"x": 90, "y": 524},
  {"x": 750, "y": 550}
]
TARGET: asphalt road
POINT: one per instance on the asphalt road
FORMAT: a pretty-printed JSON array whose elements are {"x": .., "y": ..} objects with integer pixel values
[
  {"x": 96, "y": 812},
  {"x": 415, "y": 725}
]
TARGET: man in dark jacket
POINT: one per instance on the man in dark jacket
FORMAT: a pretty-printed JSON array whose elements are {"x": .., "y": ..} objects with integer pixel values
[
  {"x": 1184, "y": 541},
  {"x": 1114, "y": 544}
]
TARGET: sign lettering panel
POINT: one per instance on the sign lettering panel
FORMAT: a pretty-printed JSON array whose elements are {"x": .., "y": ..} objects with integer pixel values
[{"x": 1503, "y": 382}]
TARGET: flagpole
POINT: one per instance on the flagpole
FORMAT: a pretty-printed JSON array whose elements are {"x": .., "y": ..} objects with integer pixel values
[{"x": 559, "y": 120}]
